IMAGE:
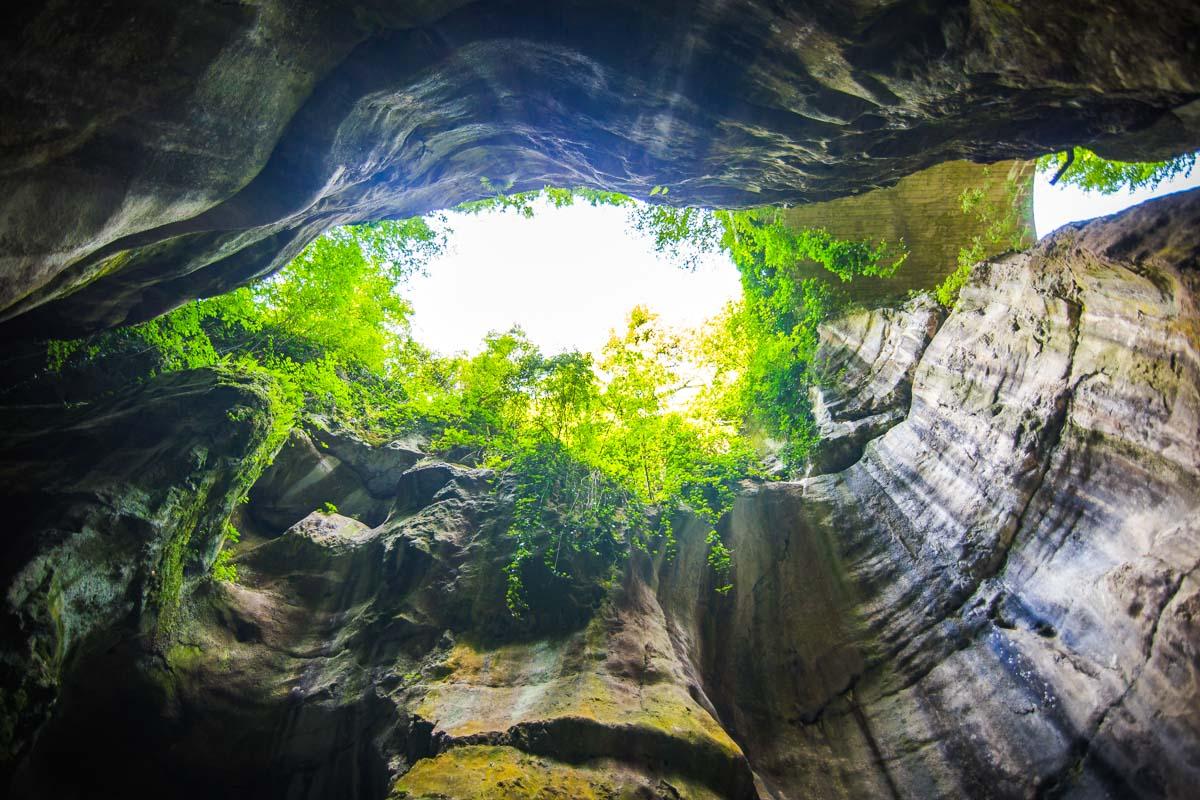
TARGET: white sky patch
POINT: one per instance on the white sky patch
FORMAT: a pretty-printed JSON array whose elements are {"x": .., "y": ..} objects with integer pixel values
[
  {"x": 1054, "y": 206},
  {"x": 567, "y": 276}
]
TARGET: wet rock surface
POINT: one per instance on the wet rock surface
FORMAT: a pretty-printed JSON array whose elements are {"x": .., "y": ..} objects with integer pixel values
[
  {"x": 997, "y": 599},
  {"x": 155, "y": 153}
]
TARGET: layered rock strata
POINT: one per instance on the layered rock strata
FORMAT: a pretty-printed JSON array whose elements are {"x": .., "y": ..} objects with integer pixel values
[
  {"x": 997, "y": 599},
  {"x": 1006, "y": 602},
  {"x": 865, "y": 366}
]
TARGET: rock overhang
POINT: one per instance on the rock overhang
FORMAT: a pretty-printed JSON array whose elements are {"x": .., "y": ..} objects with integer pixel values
[{"x": 179, "y": 152}]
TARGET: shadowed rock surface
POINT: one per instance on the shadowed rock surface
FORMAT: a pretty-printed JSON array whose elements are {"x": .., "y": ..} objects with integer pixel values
[
  {"x": 866, "y": 361},
  {"x": 111, "y": 506},
  {"x": 925, "y": 212},
  {"x": 151, "y": 153},
  {"x": 998, "y": 599}
]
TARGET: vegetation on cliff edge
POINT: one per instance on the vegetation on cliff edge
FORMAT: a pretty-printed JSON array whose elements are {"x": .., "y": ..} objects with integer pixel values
[{"x": 661, "y": 419}]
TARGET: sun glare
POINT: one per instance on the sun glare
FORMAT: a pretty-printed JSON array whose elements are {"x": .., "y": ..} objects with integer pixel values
[{"x": 567, "y": 276}]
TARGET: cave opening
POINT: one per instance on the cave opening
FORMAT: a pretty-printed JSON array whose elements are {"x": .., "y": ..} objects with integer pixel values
[
  {"x": 886, "y": 490},
  {"x": 423, "y": 372},
  {"x": 567, "y": 276}
]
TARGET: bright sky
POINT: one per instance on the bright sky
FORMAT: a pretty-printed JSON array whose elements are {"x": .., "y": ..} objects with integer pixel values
[
  {"x": 1054, "y": 206},
  {"x": 570, "y": 275},
  {"x": 567, "y": 277}
]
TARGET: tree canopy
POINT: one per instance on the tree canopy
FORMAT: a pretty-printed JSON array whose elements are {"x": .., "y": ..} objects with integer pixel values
[
  {"x": 1082, "y": 168},
  {"x": 601, "y": 452}
]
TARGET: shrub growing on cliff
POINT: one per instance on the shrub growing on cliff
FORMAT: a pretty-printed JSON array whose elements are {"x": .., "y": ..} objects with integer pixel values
[
  {"x": 1002, "y": 226},
  {"x": 1083, "y": 168},
  {"x": 223, "y": 568},
  {"x": 661, "y": 420}
]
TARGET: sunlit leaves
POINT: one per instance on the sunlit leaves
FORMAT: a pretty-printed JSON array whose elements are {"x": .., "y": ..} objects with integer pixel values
[
  {"x": 1092, "y": 173},
  {"x": 331, "y": 326},
  {"x": 663, "y": 419}
]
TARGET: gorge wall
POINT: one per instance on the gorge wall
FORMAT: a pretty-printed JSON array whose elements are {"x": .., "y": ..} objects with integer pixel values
[
  {"x": 987, "y": 587},
  {"x": 152, "y": 153},
  {"x": 992, "y": 591},
  {"x": 924, "y": 212}
]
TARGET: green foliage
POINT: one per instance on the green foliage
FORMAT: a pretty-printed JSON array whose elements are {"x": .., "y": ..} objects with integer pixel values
[
  {"x": 328, "y": 508},
  {"x": 59, "y": 352},
  {"x": 223, "y": 568},
  {"x": 684, "y": 235},
  {"x": 1092, "y": 173},
  {"x": 326, "y": 334},
  {"x": 760, "y": 241},
  {"x": 330, "y": 328},
  {"x": 763, "y": 349},
  {"x": 720, "y": 561},
  {"x": 522, "y": 203},
  {"x": 601, "y": 453},
  {"x": 560, "y": 502},
  {"x": 767, "y": 349},
  {"x": 660, "y": 420},
  {"x": 590, "y": 447},
  {"x": 1002, "y": 227}
]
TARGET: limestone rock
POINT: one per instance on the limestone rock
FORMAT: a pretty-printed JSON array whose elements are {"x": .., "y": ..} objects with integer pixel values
[
  {"x": 317, "y": 466},
  {"x": 432, "y": 481},
  {"x": 998, "y": 599},
  {"x": 1003, "y": 606},
  {"x": 112, "y": 507},
  {"x": 379, "y": 466},
  {"x": 152, "y": 153},
  {"x": 866, "y": 362}
]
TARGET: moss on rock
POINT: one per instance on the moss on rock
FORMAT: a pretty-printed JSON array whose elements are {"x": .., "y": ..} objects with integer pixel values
[{"x": 479, "y": 772}]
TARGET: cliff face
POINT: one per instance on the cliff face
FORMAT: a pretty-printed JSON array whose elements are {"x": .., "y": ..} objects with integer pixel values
[
  {"x": 998, "y": 598},
  {"x": 112, "y": 507},
  {"x": 151, "y": 153},
  {"x": 925, "y": 212}
]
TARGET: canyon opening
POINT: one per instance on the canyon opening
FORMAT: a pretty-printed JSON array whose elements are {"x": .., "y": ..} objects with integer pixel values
[{"x": 605, "y": 400}]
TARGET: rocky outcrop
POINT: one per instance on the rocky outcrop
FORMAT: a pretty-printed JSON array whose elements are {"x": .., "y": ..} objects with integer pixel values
[
  {"x": 998, "y": 598},
  {"x": 112, "y": 509},
  {"x": 316, "y": 466},
  {"x": 865, "y": 365},
  {"x": 153, "y": 153}
]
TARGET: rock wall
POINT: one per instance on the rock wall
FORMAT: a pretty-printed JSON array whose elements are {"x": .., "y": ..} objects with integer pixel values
[
  {"x": 152, "y": 153},
  {"x": 998, "y": 599},
  {"x": 925, "y": 212},
  {"x": 865, "y": 363},
  {"x": 113, "y": 507}
]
